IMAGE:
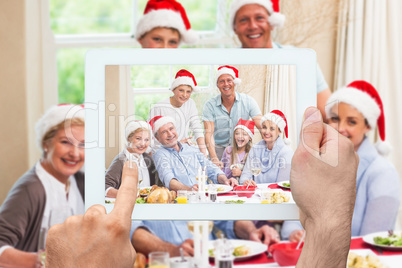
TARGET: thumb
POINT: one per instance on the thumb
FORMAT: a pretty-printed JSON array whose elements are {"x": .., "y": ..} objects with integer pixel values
[{"x": 312, "y": 130}]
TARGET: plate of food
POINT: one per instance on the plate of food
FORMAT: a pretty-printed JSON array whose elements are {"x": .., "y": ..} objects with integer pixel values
[
  {"x": 220, "y": 188},
  {"x": 391, "y": 240},
  {"x": 364, "y": 258},
  {"x": 284, "y": 184},
  {"x": 242, "y": 249}
]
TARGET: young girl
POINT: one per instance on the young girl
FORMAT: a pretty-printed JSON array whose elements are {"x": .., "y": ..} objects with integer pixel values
[
  {"x": 271, "y": 155},
  {"x": 164, "y": 25},
  {"x": 138, "y": 138},
  {"x": 234, "y": 157}
]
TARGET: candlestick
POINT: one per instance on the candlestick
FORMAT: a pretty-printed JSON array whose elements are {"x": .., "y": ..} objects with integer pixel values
[
  {"x": 204, "y": 244},
  {"x": 197, "y": 245}
]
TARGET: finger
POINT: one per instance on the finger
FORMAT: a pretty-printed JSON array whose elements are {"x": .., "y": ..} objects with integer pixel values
[
  {"x": 312, "y": 131},
  {"x": 127, "y": 193}
]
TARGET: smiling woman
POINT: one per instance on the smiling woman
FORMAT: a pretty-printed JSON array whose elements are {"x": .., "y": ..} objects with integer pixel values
[
  {"x": 138, "y": 138},
  {"x": 54, "y": 182}
]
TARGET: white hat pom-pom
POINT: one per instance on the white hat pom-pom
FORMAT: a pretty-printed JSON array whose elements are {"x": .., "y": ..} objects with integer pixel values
[
  {"x": 276, "y": 19},
  {"x": 190, "y": 37},
  {"x": 383, "y": 148},
  {"x": 287, "y": 141}
]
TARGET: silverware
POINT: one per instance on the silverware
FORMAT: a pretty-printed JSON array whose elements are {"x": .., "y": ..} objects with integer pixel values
[{"x": 269, "y": 255}]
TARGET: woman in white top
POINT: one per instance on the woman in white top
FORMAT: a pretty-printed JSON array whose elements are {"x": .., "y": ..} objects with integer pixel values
[{"x": 182, "y": 109}]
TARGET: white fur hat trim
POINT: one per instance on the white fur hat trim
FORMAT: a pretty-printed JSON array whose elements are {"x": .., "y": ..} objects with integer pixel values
[
  {"x": 358, "y": 99},
  {"x": 54, "y": 116},
  {"x": 165, "y": 18},
  {"x": 245, "y": 129},
  {"x": 229, "y": 71},
  {"x": 161, "y": 122},
  {"x": 183, "y": 80},
  {"x": 134, "y": 125},
  {"x": 277, "y": 19},
  {"x": 276, "y": 119}
]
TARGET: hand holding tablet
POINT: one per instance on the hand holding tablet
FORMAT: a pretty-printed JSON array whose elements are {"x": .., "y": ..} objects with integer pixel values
[{"x": 96, "y": 238}]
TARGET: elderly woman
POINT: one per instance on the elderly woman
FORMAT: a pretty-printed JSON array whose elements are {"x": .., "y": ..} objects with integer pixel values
[
  {"x": 183, "y": 109},
  {"x": 271, "y": 156},
  {"x": 354, "y": 111},
  {"x": 164, "y": 25},
  {"x": 138, "y": 138},
  {"x": 54, "y": 182}
]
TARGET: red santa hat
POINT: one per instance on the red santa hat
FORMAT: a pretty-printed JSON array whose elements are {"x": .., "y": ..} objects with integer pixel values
[
  {"x": 226, "y": 69},
  {"x": 134, "y": 125},
  {"x": 168, "y": 14},
  {"x": 272, "y": 6},
  {"x": 246, "y": 125},
  {"x": 159, "y": 121},
  {"x": 184, "y": 77},
  {"x": 364, "y": 97},
  {"x": 56, "y": 115},
  {"x": 279, "y": 119}
]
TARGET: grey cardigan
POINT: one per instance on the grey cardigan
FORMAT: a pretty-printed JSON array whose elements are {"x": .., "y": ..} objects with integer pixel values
[
  {"x": 22, "y": 212},
  {"x": 113, "y": 174}
]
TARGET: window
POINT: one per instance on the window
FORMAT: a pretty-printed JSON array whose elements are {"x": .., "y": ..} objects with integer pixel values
[
  {"x": 151, "y": 84},
  {"x": 78, "y": 26}
]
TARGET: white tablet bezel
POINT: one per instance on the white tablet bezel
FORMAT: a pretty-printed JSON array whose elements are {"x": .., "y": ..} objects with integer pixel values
[{"x": 98, "y": 59}]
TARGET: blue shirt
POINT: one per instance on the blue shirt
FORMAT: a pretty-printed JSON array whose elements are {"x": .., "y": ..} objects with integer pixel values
[
  {"x": 244, "y": 107},
  {"x": 320, "y": 80},
  {"x": 377, "y": 179},
  {"x": 183, "y": 165},
  {"x": 176, "y": 232},
  {"x": 275, "y": 163}
]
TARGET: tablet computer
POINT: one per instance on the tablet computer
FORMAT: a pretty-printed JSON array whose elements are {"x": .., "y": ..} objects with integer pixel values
[{"x": 116, "y": 81}]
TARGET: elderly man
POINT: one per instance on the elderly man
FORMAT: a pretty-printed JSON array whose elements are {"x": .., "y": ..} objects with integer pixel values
[
  {"x": 178, "y": 163},
  {"x": 221, "y": 113},
  {"x": 253, "y": 20}
]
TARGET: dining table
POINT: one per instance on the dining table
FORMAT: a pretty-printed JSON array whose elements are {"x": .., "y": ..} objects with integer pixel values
[{"x": 391, "y": 258}]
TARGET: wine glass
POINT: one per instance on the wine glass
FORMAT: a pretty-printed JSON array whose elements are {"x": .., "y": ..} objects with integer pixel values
[
  {"x": 255, "y": 168},
  {"x": 57, "y": 215}
]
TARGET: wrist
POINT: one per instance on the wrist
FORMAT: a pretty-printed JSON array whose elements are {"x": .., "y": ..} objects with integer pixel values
[{"x": 325, "y": 243}]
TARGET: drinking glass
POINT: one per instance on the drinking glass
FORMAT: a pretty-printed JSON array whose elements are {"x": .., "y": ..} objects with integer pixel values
[
  {"x": 255, "y": 168},
  {"x": 57, "y": 215},
  {"x": 182, "y": 197},
  {"x": 159, "y": 260}
]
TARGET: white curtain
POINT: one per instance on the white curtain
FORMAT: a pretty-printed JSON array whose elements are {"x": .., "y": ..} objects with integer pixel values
[{"x": 369, "y": 48}]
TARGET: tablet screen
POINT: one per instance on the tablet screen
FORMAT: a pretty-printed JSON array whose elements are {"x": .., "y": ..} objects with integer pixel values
[{"x": 124, "y": 85}]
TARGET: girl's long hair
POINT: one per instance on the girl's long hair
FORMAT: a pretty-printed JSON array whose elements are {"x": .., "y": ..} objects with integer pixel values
[{"x": 233, "y": 154}]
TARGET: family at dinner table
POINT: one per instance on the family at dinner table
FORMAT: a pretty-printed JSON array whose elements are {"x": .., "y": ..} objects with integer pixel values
[{"x": 165, "y": 154}]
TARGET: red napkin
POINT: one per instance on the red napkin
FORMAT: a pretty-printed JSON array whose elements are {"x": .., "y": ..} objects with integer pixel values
[
  {"x": 276, "y": 186},
  {"x": 358, "y": 243}
]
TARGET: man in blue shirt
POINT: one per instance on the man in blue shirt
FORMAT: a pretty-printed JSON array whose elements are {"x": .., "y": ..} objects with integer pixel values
[
  {"x": 221, "y": 113},
  {"x": 178, "y": 164},
  {"x": 252, "y": 21}
]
